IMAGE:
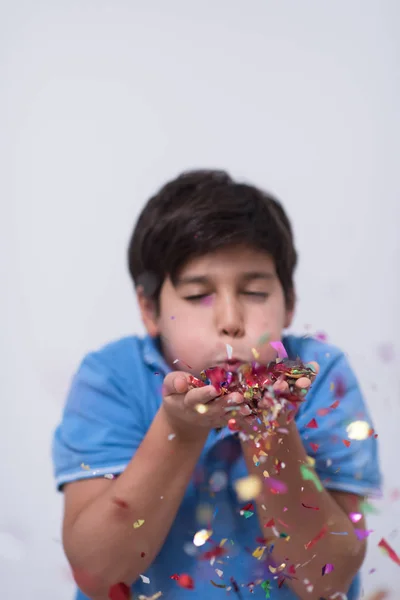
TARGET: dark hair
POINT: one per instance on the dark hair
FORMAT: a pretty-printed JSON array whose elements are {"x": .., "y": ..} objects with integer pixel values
[{"x": 201, "y": 211}]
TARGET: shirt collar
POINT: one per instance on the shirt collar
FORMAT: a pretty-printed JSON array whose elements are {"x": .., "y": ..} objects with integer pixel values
[{"x": 152, "y": 355}]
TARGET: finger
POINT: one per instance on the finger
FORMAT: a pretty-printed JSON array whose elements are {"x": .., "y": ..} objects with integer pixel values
[
  {"x": 281, "y": 385},
  {"x": 176, "y": 382},
  {"x": 303, "y": 383},
  {"x": 234, "y": 399},
  {"x": 202, "y": 395},
  {"x": 314, "y": 366}
]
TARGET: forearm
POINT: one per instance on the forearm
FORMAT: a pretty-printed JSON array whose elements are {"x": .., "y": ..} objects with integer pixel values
[
  {"x": 303, "y": 514},
  {"x": 104, "y": 541}
]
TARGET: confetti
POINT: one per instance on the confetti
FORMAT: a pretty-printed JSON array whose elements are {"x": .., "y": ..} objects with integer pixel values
[
  {"x": 171, "y": 436},
  {"x": 389, "y": 551},
  {"x": 258, "y": 552},
  {"x": 308, "y": 475},
  {"x": 138, "y": 523},
  {"x": 232, "y": 425},
  {"x": 313, "y": 507},
  {"x": 86, "y": 467},
  {"x": 316, "y": 539},
  {"x": 153, "y": 597},
  {"x": 362, "y": 533},
  {"x": 109, "y": 476},
  {"x": 248, "y": 488},
  {"x": 255, "y": 353},
  {"x": 263, "y": 339},
  {"x": 367, "y": 508},
  {"x": 201, "y": 409},
  {"x": 346, "y": 443},
  {"x": 355, "y": 517},
  {"x": 218, "y": 585},
  {"x": 229, "y": 351},
  {"x": 277, "y": 569},
  {"x": 328, "y": 568},
  {"x": 201, "y": 537},
  {"x": 321, "y": 336},
  {"x": 119, "y": 591},
  {"x": 358, "y": 430},
  {"x": 266, "y": 586},
  {"x": 312, "y": 424},
  {"x": 280, "y": 348},
  {"x": 275, "y": 485},
  {"x": 185, "y": 581},
  {"x": 145, "y": 579},
  {"x": 314, "y": 447}
]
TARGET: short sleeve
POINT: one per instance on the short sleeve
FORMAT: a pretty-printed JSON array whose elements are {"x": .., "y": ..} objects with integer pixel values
[
  {"x": 335, "y": 401},
  {"x": 101, "y": 427}
]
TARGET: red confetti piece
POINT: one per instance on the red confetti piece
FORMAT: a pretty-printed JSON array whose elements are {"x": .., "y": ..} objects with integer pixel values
[
  {"x": 340, "y": 387},
  {"x": 322, "y": 412},
  {"x": 185, "y": 581},
  {"x": 249, "y": 506},
  {"x": 312, "y": 424},
  {"x": 119, "y": 591},
  {"x": 292, "y": 570},
  {"x": 316, "y": 539},
  {"x": 232, "y": 425},
  {"x": 346, "y": 443},
  {"x": 314, "y": 447},
  {"x": 312, "y": 507},
  {"x": 271, "y": 523},
  {"x": 214, "y": 553},
  {"x": 143, "y": 554},
  {"x": 335, "y": 404},
  {"x": 389, "y": 550},
  {"x": 328, "y": 568}
]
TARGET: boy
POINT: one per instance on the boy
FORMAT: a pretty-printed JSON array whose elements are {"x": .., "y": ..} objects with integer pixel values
[{"x": 143, "y": 470}]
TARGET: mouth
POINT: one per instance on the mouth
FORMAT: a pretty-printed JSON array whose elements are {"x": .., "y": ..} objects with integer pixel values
[{"x": 232, "y": 364}]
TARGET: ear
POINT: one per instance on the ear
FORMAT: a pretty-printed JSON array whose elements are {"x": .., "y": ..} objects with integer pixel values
[
  {"x": 148, "y": 312},
  {"x": 290, "y": 306}
]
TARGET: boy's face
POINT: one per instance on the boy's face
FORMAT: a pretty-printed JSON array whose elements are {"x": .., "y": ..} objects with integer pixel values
[{"x": 231, "y": 296}]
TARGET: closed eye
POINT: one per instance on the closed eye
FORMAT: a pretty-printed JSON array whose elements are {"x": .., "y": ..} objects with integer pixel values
[
  {"x": 257, "y": 294},
  {"x": 196, "y": 297}
]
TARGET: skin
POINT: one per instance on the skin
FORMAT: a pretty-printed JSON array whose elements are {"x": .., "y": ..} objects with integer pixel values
[{"x": 229, "y": 297}]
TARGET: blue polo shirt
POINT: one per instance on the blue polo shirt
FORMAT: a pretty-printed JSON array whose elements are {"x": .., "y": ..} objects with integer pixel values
[{"x": 113, "y": 399}]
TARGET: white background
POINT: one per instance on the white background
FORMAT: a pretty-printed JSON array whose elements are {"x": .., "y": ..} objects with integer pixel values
[{"x": 101, "y": 102}]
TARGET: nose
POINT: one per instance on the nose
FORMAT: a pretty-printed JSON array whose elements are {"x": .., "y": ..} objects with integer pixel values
[{"x": 229, "y": 317}]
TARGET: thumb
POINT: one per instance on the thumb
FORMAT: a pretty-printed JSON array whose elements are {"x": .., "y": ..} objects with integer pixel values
[{"x": 176, "y": 383}]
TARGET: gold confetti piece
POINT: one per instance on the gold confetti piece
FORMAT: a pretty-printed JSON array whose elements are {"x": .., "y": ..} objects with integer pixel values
[
  {"x": 311, "y": 461},
  {"x": 219, "y": 572},
  {"x": 358, "y": 430},
  {"x": 265, "y": 473},
  {"x": 153, "y": 597},
  {"x": 200, "y": 537},
  {"x": 256, "y": 354},
  {"x": 332, "y": 386},
  {"x": 201, "y": 409},
  {"x": 222, "y": 542},
  {"x": 86, "y": 467},
  {"x": 256, "y": 460},
  {"x": 258, "y": 552},
  {"x": 138, "y": 523},
  {"x": 248, "y": 488},
  {"x": 277, "y": 569}
]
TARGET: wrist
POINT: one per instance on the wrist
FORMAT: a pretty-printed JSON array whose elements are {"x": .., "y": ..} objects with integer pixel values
[{"x": 181, "y": 430}]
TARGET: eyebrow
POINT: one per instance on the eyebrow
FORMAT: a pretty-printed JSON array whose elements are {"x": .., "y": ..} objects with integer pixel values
[{"x": 204, "y": 279}]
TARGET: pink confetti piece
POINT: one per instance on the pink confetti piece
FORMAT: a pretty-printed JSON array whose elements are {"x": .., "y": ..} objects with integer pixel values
[
  {"x": 280, "y": 348},
  {"x": 355, "y": 517},
  {"x": 275, "y": 485},
  {"x": 328, "y": 568}
]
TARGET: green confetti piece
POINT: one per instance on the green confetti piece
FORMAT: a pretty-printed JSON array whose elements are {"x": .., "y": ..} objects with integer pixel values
[
  {"x": 367, "y": 509},
  {"x": 247, "y": 514},
  {"x": 266, "y": 586},
  {"x": 264, "y": 339},
  {"x": 309, "y": 475}
]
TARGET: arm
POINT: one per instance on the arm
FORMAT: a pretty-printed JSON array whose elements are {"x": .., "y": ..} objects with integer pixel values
[
  {"x": 302, "y": 524},
  {"x": 100, "y": 541}
]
